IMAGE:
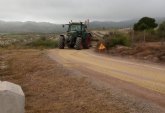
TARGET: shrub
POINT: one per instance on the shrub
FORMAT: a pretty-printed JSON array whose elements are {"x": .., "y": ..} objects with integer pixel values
[
  {"x": 43, "y": 43},
  {"x": 145, "y": 23},
  {"x": 161, "y": 29},
  {"x": 116, "y": 39}
]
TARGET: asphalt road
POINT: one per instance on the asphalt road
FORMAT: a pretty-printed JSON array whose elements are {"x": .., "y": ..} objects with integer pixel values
[{"x": 146, "y": 81}]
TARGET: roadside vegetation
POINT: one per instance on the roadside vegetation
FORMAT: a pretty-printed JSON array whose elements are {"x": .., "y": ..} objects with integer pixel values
[
  {"x": 116, "y": 39},
  {"x": 42, "y": 42},
  {"x": 146, "y": 40},
  {"x": 28, "y": 40},
  {"x": 161, "y": 31}
]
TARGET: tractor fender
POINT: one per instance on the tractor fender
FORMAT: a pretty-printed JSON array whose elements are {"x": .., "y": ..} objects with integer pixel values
[
  {"x": 62, "y": 36},
  {"x": 89, "y": 34}
]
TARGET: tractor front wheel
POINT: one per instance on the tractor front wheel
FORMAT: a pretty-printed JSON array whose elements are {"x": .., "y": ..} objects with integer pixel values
[
  {"x": 61, "y": 42},
  {"x": 78, "y": 44}
]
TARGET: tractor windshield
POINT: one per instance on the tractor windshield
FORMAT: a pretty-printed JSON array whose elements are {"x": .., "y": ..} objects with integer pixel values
[{"x": 75, "y": 27}]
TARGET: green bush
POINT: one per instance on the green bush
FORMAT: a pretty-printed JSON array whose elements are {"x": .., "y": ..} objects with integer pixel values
[
  {"x": 46, "y": 43},
  {"x": 161, "y": 29},
  {"x": 150, "y": 36},
  {"x": 117, "y": 39}
]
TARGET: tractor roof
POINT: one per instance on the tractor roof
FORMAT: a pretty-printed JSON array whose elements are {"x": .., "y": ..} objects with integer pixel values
[{"x": 76, "y": 23}]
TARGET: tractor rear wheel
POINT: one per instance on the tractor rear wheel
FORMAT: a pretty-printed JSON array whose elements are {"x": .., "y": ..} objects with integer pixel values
[
  {"x": 61, "y": 42},
  {"x": 78, "y": 44},
  {"x": 87, "y": 43}
]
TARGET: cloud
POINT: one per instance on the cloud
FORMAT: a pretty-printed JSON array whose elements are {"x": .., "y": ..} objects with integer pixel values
[{"x": 59, "y": 11}]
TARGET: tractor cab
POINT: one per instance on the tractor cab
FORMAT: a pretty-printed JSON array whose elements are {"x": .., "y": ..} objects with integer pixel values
[
  {"x": 77, "y": 27},
  {"x": 77, "y": 37}
]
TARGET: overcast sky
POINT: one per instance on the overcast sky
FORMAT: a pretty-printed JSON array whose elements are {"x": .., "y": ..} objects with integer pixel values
[{"x": 61, "y": 11}]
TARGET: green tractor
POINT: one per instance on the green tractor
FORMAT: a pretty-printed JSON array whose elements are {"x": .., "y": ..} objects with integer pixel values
[{"x": 77, "y": 37}]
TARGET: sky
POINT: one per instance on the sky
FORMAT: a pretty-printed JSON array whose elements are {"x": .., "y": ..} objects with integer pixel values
[{"x": 62, "y": 11}]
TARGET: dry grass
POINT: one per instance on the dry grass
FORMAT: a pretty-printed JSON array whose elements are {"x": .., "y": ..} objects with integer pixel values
[
  {"x": 49, "y": 88},
  {"x": 149, "y": 52}
]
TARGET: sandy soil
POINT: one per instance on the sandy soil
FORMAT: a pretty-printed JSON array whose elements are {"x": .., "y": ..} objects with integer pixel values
[
  {"x": 137, "y": 85},
  {"x": 69, "y": 81},
  {"x": 51, "y": 88}
]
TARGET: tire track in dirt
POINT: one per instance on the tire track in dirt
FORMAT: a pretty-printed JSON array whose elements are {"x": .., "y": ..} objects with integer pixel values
[{"x": 143, "y": 81}]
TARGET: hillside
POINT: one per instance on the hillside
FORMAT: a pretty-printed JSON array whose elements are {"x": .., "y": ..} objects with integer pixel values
[
  {"x": 120, "y": 24},
  {"x": 45, "y": 27},
  {"x": 37, "y": 27}
]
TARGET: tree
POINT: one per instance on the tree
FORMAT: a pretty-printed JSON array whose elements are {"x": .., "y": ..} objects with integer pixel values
[
  {"x": 161, "y": 31},
  {"x": 144, "y": 24}
]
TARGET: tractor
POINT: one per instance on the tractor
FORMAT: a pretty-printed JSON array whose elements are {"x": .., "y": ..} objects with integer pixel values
[{"x": 76, "y": 37}]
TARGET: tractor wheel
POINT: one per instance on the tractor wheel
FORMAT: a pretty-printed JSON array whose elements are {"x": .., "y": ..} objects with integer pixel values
[
  {"x": 87, "y": 43},
  {"x": 61, "y": 42},
  {"x": 78, "y": 44}
]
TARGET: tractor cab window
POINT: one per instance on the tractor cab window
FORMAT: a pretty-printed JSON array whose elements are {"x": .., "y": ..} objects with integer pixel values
[{"x": 76, "y": 28}]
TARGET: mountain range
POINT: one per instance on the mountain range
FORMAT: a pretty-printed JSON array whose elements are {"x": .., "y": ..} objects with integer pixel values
[
  {"x": 46, "y": 27},
  {"x": 120, "y": 24}
]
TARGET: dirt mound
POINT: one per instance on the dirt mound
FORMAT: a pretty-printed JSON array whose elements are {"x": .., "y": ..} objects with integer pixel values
[{"x": 154, "y": 53}]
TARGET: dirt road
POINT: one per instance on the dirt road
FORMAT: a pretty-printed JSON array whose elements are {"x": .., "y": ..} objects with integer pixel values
[{"x": 142, "y": 81}]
